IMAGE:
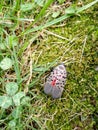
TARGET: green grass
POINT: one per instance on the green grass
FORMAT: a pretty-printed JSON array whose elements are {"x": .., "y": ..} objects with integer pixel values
[{"x": 36, "y": 42}]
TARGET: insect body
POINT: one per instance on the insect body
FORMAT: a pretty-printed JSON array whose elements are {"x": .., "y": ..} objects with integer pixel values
[{"x": 55, "y": 83}]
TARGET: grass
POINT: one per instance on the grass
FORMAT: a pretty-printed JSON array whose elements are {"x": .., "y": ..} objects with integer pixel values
[{"x": 36, "y": 42}]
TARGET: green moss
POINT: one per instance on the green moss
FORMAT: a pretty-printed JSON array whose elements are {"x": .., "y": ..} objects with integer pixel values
[{"x": 78, "y": 102}]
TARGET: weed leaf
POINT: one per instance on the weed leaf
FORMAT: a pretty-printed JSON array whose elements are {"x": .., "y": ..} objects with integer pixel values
[
  {"x": 25, "y": 100},
  {"x": 12, "y": 124},
  {"x": 56, "y": 14},
  {"x": 17, "y": 97},
  {"x": 5, "y": 101},
  {"x": 71, "y": 10},
  {"x": 11, "y": 88},
  {"x": 26, "y": 7},
  {"x": 6, "y": 63}
]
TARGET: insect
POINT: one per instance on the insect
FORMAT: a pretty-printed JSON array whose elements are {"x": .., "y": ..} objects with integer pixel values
[{"x": 55, "y": 83}]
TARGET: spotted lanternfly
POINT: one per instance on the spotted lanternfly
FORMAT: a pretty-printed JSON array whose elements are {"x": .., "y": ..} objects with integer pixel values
[{"x": 55, "y": 83}]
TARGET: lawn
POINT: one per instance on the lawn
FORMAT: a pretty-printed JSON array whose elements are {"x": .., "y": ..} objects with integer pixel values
[{"x": 36, "y": 36}]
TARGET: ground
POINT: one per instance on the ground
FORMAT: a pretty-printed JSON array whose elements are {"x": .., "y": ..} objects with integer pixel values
[{"x": 73, "y": 41}]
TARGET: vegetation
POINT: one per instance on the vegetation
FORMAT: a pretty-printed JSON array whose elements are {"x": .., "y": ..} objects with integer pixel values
[{"x": 37, "y": 35}]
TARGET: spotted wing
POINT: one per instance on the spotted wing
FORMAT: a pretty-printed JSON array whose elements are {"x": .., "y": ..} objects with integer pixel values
[
  {"x": 47, "y": 88},
  {"x": 56, "y": 92}
]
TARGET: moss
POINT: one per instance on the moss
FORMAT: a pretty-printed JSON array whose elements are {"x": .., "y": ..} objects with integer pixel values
[{"x": 78, "y": 102}]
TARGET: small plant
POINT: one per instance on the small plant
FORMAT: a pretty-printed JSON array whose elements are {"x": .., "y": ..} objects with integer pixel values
[
  {"x": 10, "y": 42},
  {"x": 12, "y": 97},
  {"x": 6, "y": 63},
  {"x": 15, "y": 99}
]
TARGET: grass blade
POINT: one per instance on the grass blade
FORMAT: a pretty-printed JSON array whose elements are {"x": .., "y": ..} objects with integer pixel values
[
  {"x": 48, "y": 24},
  {"x": 42, "y": 12},
  {"x": 59, "y": 19},
  {"x": 37, "y": 78},
  {"x": 86, "y": 6},
  {"x": 16, "y": 66},
  {"x": 25, "y": 45}
]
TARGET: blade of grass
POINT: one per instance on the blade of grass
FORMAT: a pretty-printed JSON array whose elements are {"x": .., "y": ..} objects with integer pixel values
[
  {"x": 16, "y": 66},
  {"x": 57, "y": 20},
  {"x": 86, "y": 6},
  {"x": 25, "y": 45},
  {"x": 47, "y": 24},
  {"x": 37, "y": 78},
  {"x": 42, "y": 12},
  {"x": 17, "y": 6}
]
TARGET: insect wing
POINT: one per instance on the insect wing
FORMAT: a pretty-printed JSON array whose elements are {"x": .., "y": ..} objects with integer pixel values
[
  {"x": 48, "y": 88},
  {"x": 56, "y": 92}
]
